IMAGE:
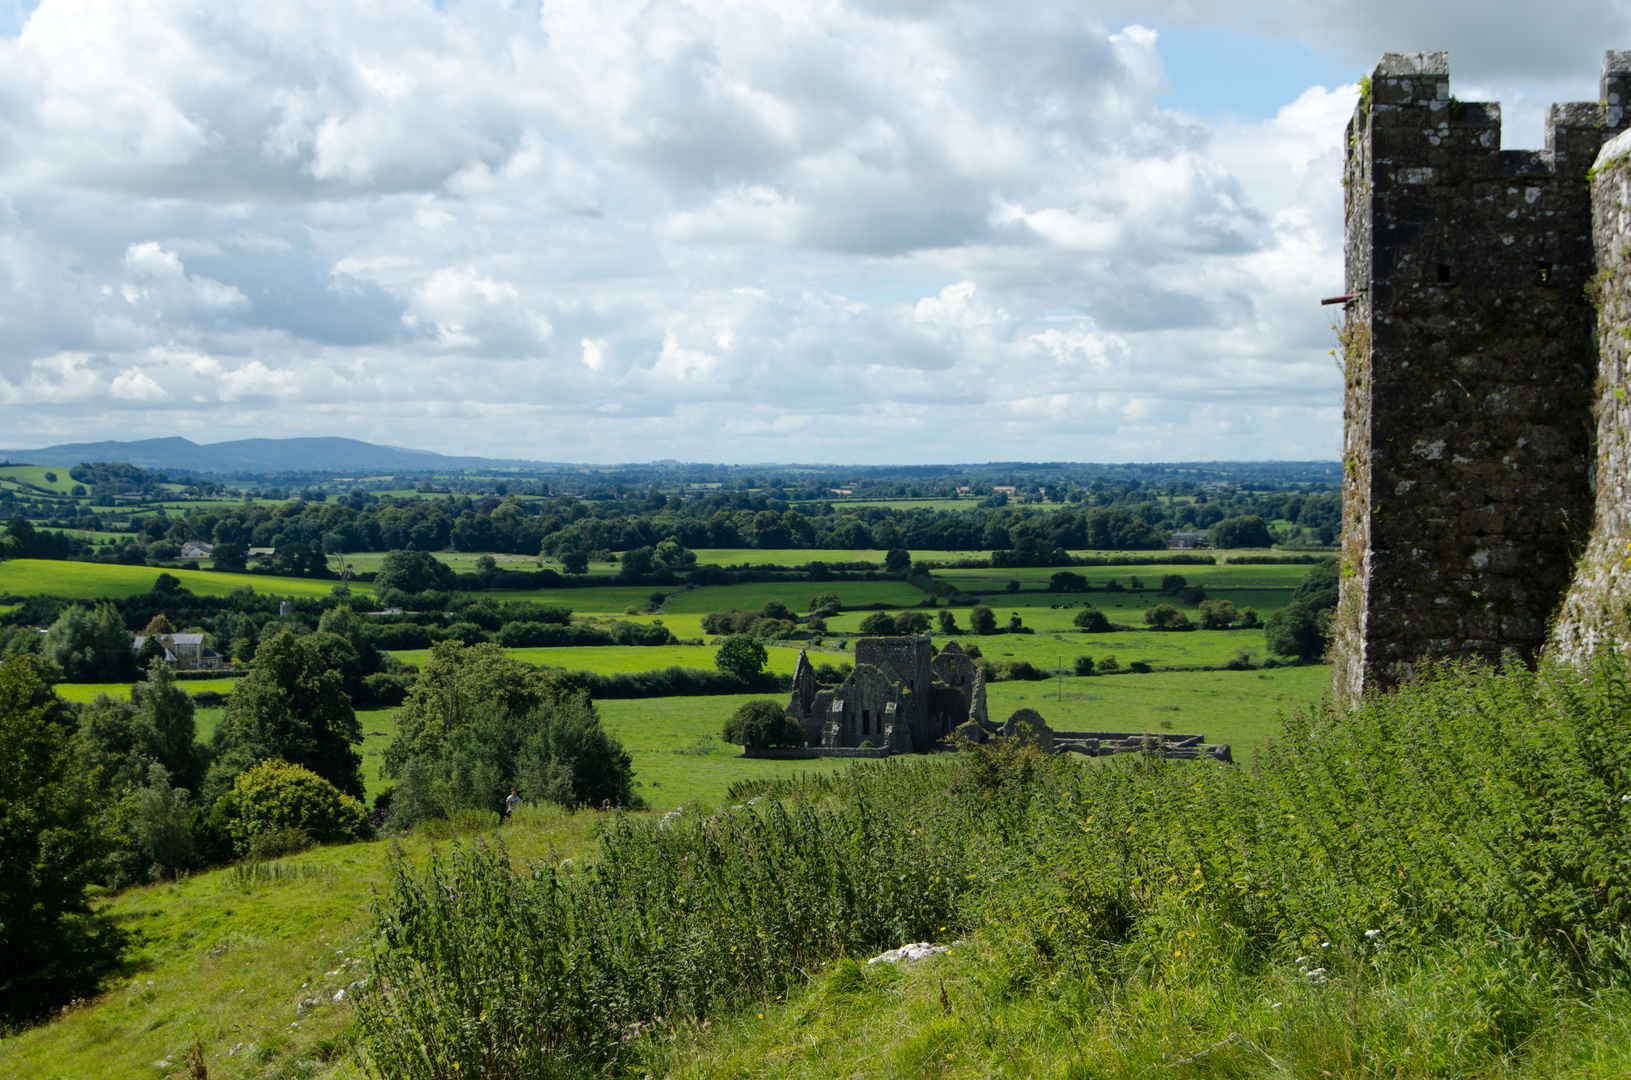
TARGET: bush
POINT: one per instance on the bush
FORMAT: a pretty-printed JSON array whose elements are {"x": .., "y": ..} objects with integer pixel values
[
  {"x": 1194, "y": 596},
  {"x": 763, "y": 723},
  {"x": 1091, "y": 620},
  {"x": 1083, "y": 665},
  {"x": 1067, "y": 581},
  {"x": 1166, "y": 617},
  {"x": 825, "y": 604},
  {"x": 278, "y": 795}
]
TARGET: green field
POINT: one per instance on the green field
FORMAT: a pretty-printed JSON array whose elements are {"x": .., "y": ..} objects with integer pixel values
[
  {"x": 1242, "y": 708},
  {"x": 795, "y": 594},
  {"x": 615, "y": 659},
  {"x": 678, "y": 755},
  {"x": 35, "y": 475},
  {"x": 800, "y": 556},
  {"x": 121, "y": 691},
  {"x": 462, "y": 561},
  {"x": 78, "y": 580}
]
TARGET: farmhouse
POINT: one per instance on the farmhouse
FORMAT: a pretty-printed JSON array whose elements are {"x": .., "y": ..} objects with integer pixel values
[
  {"x": 196, "y": 549},
  {"x": 902, "y": 696},
  {"x": 184, "y": 652}
]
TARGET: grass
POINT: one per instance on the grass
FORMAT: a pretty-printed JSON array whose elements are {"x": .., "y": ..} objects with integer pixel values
[
  {"x": 35, "y": 475},
  {"x": 795, "y": 594},
  {"x": 1241, "y": 708},
  {"x": 78, "y": 580},
  {"x": 678, "y": 755},
  {"x": 801, "y": 556},
  {"x": 227, "y": 960},
  {"x": 121, "y": 691},
  {"x": 614, "y": 659}
]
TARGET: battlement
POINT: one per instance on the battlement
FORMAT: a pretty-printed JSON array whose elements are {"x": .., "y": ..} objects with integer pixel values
[{"x": 1470, "y": 356}]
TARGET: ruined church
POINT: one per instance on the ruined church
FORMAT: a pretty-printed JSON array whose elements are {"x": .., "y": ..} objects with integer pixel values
[{"x": 902, "y": 696}]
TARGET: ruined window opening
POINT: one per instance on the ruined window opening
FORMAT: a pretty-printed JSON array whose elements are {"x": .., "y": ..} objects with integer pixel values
[
  {"x": 866, "y": 721},
  {"x": 1543, "y": 271},
  {"x": 1443, "y": 273}
]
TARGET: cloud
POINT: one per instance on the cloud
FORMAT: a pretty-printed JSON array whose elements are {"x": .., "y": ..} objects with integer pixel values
[{"x": 625, "y": 230}]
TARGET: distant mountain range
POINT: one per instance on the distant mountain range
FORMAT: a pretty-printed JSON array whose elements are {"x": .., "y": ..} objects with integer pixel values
[{"x": 327, "y": 455}]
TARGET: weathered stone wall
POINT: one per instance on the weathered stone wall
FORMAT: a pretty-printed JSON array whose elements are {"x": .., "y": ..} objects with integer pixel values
[
  {"x": 1470, "y": 358},
  {"x": 1597, "y": 611}
]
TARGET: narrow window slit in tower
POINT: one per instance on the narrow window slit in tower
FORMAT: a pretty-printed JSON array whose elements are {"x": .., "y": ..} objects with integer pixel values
[
  {"x": 1443, "y": 273},
  {"x": 1543, "y": 271}
]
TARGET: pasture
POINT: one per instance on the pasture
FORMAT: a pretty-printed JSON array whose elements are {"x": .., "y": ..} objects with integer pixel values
[
  {"x": 34, "y": 475},
  {"x": 795, "y": 594},
  {"x": 121, "y": 691},
  {"x": 678, "y": 755},
  {"x": 624, "y": 659},
  {"x": 1242, "y": 708},
  {"x": 78, "y": 580}
]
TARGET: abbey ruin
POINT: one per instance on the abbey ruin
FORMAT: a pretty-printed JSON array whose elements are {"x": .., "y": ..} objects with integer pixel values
[{"x": 1484, "y": 351}]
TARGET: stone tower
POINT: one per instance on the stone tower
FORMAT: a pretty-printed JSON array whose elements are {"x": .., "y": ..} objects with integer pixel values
[{"x": 1470, "y": 356}]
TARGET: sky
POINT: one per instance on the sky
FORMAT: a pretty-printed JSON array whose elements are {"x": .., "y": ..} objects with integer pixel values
[{"x": 895, "y": 231}]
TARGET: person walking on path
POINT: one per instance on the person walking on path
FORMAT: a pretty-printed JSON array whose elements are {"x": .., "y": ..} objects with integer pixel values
[{"x": 510, "y": 804}]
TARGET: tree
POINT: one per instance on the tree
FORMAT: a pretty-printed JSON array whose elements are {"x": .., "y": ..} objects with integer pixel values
[
  {"x": 1083, "y": 665},
  {"x": 52, "y": 845},
  {"x": 1219, "y": 614},
  {"x": 293, "y": 707},
  {"x": 982, "y": 620},
  {"x": 1013, "y": 585},
  {"x": 1298, "y": 629},
  {"x": 574, "y": 561},
  {"x": 158, "y": 626},
  {"x": 1091, "y": 620},
  {"x": 1166, "y": 617},
  {"x": 90, "y": 645},
  {"x": 413, "y": 572},
  {"x": 897, "y": 560},
  {"x": 825, "y": 604},
  {"x": 228, "y": 556},
  {"x": 763, "y": 723},
  {"x": 911, "y": 622},
  {"x": 948, "y": 621},
  {"x": 1247, "y": 530},
  {"x": 1066, "y": 581},
  {"x": 741, "y": 656},
  {"x": 1250, "y": 619},
  {"x": 1173, "y": 584},
  {"x": 879, "y": 624}
]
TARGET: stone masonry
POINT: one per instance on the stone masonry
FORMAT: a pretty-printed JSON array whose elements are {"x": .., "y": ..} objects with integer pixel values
[
  {"x": 1470, "y": 358},
  {"x": 1596, "y": 612},
  {"x": 902, "y": 696}
]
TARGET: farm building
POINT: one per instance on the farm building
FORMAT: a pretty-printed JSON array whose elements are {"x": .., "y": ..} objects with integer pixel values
[{"x": 184, "y": 652}]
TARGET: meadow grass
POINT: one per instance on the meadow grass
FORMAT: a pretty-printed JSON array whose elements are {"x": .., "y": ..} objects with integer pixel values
[
  {"x": 1227, "y": 575},
  {"x": 801, "y": 556},
  {"x": 79, "y": 580},
  {"x": 1242, "y": 708},
  {"x": 226, "y": 957},
  {"x": 678, "y": 754},
  {"x": 795, "y": 594},
  {"x": 589, "y": 600},
  {"x": 617, "y": 659},
  {"x": 462, "y": 561},
  {"x": 35, "y": 475},
  {"x": 121, "y": 691}
]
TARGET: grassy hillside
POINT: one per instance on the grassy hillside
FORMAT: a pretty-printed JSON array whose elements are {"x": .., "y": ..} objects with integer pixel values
[
  {"x": 78, "y": 580},
  {"x": 227, "y": 956}
]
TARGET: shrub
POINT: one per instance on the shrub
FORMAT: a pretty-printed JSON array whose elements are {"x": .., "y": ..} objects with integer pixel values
[
  {"x": 279, "y": 795},
  {"x": 947, "y": 621},
  {"x": 1194, "y": 595},
  {"x": 1173, "y": 584},
  {"x": 1083, "y": 665},
  {"x": 763, "y": 723},
  {"x": 1091, "y": 620},
  {"x": 825, "y": 604},
  {"x": 1166, "y": 617}
]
